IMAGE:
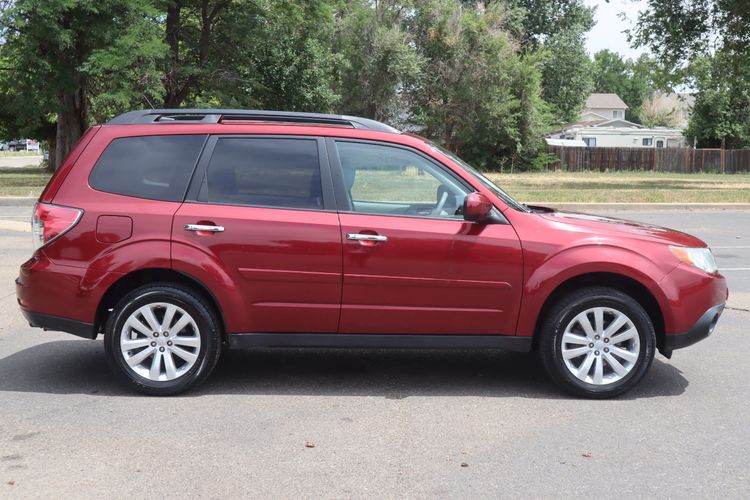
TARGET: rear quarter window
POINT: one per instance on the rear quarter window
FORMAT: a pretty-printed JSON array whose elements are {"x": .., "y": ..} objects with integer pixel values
[{"x": 152, "y": 167}]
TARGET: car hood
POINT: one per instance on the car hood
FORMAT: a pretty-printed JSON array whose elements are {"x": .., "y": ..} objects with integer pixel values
[{"x": 608, "y": 225}]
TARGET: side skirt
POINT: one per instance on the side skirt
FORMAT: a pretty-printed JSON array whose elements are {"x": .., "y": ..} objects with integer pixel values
[{"x": 249, "y": 340}]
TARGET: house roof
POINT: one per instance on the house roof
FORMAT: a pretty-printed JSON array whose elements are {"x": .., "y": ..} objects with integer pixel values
[{"x": 605, "y": 101}]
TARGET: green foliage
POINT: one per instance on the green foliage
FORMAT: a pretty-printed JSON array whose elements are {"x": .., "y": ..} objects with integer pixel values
[
  {"x": 632, "y": 80},
  {"x": 722, "y": 104},
  {"x": 705, "y": 44},
  {"x": 477, "y": 95},
  {"x": 567, "y": 74},
  {"x": 484, "y": 78},
  {"x": 542, "y": 19},
  {"x": 379, "y": 59}
]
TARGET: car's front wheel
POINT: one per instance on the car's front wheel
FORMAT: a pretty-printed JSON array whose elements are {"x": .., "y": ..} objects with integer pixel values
[
  {"x": 162, "y": 339},
  {"x": 597, "y": 342}
]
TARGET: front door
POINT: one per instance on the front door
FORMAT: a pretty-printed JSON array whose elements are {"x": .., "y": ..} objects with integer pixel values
[
  {"x": 260, "y": 216},
  {"x": 412, "y": 265}
]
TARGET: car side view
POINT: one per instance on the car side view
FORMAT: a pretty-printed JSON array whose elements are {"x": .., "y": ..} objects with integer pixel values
[{"x": 179, "y": 233}]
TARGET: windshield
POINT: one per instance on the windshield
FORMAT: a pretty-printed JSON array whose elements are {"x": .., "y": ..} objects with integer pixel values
[{"x": 508, "y": 199}]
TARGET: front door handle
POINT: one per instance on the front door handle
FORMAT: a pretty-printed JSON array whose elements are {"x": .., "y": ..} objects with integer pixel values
[
  {"x": 366, "y": 237},
  {"x": 204, "y": 227}
]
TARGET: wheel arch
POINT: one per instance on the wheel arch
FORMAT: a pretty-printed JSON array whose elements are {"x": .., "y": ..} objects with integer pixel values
[
  {"x": 620, "y": 282},
  {"x": 141, "y": 277}
]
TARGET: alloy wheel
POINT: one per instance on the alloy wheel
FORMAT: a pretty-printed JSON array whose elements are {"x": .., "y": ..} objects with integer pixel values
[
  {"x": 160, "y": 341},
  {"x": 600, "y": 346}
]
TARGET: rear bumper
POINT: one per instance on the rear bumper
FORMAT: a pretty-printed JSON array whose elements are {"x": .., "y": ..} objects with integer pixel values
[
  {"x": 49, "y": 322},
  {"x": 700, "y": 330}
]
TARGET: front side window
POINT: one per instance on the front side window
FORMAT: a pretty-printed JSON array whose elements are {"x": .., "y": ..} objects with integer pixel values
[
  {"x": 647, "y": 141},
  {"x": 269, "y": 172},
  {"x": 659, "y": 144},
  {"x": 590, "y": 141},
  {"x": 385, "y": 180},
  {"x": 154, "y": 167}
]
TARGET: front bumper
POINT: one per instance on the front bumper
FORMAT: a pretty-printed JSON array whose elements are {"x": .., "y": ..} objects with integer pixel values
[{"x": 700, "y": 330}]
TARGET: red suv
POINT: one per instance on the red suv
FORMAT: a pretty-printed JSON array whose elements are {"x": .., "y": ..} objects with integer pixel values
[{"x": 178, "y": 233}]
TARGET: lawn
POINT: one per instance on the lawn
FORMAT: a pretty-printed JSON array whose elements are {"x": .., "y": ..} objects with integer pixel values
[
  {"x": 26, "y": 181},
  {"x": 19, "y": 153},
  {"x": 625, "y": 187},
  {"x": 612, "y": 187}
]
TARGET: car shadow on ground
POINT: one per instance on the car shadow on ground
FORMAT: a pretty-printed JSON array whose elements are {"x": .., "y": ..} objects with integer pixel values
[{"x": 79, "y": 367}]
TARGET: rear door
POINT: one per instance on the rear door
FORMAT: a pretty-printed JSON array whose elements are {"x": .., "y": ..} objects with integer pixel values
[
  {"x": 260, "y": 208},
  {"x": 412, "y": 264}
]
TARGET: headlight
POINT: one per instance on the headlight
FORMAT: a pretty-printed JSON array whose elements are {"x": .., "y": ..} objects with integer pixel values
[{"x": 702, "y": 258}]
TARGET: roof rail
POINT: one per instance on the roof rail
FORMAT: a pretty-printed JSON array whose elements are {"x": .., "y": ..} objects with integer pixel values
[{"x": 219, "y": 115}]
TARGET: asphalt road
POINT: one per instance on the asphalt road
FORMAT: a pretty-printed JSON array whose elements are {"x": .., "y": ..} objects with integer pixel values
[{"x": 390, "y": 424}]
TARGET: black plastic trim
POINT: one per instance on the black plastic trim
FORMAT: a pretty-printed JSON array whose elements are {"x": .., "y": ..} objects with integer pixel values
[
  {"x": 700, "y": 330},
  {"x": 391, "y": 341},
  {"x": 176, "y": 116},
  {"x": 56, "y": 323}
]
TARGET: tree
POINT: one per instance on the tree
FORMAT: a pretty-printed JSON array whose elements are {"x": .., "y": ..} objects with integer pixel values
[
  {"x": 477, "y": 95},
  {"x": 721, "y": 113},
  {"x": 706, "y": 44},
  {"x": 657, "y": 112},
  {"x": 631, "y": 80},
  {"x": 542, "y": 19},
  {"x": 567, "y": 74},
  {"x": 379, "y": 59},
  {"x": 681, "y": 31},
  {"x": 65, "y": 43}
]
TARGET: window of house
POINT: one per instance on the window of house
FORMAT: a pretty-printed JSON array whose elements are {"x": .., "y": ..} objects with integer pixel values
[
  {"x": 283, "y": 173},
  {"x": 618, "y": 114},
  {"x": 648, "y": 141},
  {"x": 590, "y": 141},
  {"x": 659, "y": 144}
]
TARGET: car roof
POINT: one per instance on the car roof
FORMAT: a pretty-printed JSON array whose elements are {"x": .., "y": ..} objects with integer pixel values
[{"x": 210, "y": 116}]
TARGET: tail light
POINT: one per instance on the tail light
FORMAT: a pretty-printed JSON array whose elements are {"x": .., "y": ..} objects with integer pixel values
[{"x": 49, "y": 222}]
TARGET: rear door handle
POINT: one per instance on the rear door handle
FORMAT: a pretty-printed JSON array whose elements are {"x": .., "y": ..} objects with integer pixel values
[
  {"x": 366, "y": 237},
  {"x": 204, "y": 227}
]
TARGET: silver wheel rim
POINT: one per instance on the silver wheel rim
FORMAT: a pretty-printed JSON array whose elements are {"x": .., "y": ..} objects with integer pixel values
[
  {"x": 600, "y": 346},
  {"x": 160, "y": 341}
]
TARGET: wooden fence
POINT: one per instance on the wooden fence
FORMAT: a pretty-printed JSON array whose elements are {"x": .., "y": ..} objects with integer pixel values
[{"x": 676, "y": 160}]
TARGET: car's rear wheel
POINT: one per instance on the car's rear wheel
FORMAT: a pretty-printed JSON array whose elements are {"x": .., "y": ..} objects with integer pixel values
[
  {"x": 597, "y": 342},
  {"x": 162, "y": 339}
]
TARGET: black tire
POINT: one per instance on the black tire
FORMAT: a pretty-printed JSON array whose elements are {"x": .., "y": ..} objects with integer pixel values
[
  {"x": 563, "y": 312},
  {"x": 208, "y": 329}
]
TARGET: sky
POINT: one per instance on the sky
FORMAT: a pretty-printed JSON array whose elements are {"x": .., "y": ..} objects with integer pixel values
[{"x": 607, "y": 33}]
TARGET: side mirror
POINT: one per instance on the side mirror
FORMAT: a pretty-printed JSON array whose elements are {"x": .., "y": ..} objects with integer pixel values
[{"x": 477, "y": 207}]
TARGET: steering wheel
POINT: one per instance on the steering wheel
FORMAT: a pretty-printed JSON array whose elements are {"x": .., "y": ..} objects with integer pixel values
[{"x": 441, "y": 204}]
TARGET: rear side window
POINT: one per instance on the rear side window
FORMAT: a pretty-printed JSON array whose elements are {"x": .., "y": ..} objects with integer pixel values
[
  {"x": 154, "y": 167},
  {"x": 269, "y": 172}
]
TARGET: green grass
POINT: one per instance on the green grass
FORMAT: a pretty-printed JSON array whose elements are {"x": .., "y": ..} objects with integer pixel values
[
  {"x": 625, "y": 187},
  {"x": 19, "y": 153},
  {"x": 595, "y": 187},
  {"x": 24, "y": 181}
]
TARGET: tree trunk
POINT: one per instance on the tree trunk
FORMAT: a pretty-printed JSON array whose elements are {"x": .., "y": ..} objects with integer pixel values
[
  {"x": 72, "y": 120},
  {"x": 172, "y": 37}
]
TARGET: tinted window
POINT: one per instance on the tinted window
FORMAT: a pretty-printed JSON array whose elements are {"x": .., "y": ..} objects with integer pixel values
[
  {"x": 267, "y": 172},
  {"x": 154, "y": 167},
  {"x": 394, "y": 181}
]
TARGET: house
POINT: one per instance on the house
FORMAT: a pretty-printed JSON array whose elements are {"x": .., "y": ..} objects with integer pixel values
[
  {"x": 603, "y": 107},
  {"x": 603, "y": 124}
]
